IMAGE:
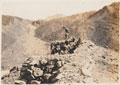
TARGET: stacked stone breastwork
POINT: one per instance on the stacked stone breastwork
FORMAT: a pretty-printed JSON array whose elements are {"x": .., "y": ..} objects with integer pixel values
[{"x": 65, "y": 47}]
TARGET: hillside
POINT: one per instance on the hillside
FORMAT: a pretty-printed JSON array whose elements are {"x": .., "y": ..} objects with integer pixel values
[
  {"x": 48, "y": 30},
  {"x": 89, "y": 25},
  {"x": 93, "y": 35},
  {"x": 18, "y": 41},
  {"x": 103, "y": 27}
]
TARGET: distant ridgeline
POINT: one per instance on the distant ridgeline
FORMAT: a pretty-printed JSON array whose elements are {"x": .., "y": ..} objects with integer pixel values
[{"x": 65, "y": 47}]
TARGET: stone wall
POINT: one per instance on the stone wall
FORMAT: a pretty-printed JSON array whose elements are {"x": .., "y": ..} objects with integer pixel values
[{"x": 65, "y": 47}]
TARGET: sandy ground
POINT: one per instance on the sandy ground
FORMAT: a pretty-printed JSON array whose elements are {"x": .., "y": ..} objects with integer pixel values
[
  {"x": 35, "y": 46},
  {"x": 89, "y": 64}
]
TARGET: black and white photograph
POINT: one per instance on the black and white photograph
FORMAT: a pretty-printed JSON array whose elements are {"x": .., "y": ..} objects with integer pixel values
[{"x": 60, "y": 42}]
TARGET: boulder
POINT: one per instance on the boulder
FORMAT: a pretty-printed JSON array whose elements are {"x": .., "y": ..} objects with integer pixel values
[
  {"x": 29, "y": 60},
  {"x": 43, "y": 67},
  {"x": 47, "y": 76},
  {"x": 28, "y": 78},
  {"x": 35, "y": 61},
  {"x": 48, "y": 70},
  {"x": 25, "y": 71},
  {"x": 20, "y": 82},
  {"x": 56, "y": 72},
  {"x": 50, "y": 66},
  {"x": 51, "y": 62},
  {"x": 37, "y": 72},
  {"x": 14, "y": 69},
  {"x": 43, "y": 62},
  {"x": 24, "y": 64},
  {"x": 30, "y": 71},
  {"x": 35, "y": 82},
  {"x": 52, "y": 80},
  {"x": 59, "y": 64}
]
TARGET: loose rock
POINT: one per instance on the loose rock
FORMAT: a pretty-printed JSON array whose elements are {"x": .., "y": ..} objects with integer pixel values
[
  {"x": 47, "y": 76},
  {"x": 20, "y": 82},
  {"x": 37, "y": 72},
  {"x": 35, "y": 82}
]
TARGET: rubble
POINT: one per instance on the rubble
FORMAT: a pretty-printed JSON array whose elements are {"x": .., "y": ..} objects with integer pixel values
[{"x": 35, "y": 82}]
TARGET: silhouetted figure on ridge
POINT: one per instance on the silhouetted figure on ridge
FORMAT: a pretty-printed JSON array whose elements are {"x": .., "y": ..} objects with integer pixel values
[{"x": 66, "y": 32}]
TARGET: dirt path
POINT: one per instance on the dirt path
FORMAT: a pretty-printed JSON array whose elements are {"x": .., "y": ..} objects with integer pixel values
[{"x": 35, "y": 46}]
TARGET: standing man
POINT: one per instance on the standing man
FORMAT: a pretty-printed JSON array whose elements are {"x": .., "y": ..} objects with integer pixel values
[{"x": 66, "y": 32}]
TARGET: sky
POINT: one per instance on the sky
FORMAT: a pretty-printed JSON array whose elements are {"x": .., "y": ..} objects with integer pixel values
[{"x": 41, "y": 9}]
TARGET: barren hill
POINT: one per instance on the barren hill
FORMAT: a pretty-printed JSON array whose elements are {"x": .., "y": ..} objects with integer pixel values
[
  {"x": 18, "y": 41},
  {"x": 99, "y": 26},
  {"x": 95, "y": 59},
  {"x": 102, "y": 27},
  {"x": 48, "y": 30}
]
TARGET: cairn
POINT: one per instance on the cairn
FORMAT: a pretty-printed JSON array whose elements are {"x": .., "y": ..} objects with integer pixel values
[{"x": 39, "y": 71}]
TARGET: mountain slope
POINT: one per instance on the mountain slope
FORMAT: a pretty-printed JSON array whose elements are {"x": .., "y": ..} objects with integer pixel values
[
  {"x": 94, "y": 60},
  {"x": 99, "y": 26},
  {"x": 48, "y": 31},
  {"x": 103, "y": 27},
  {"x": 18, "y": 41}
]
